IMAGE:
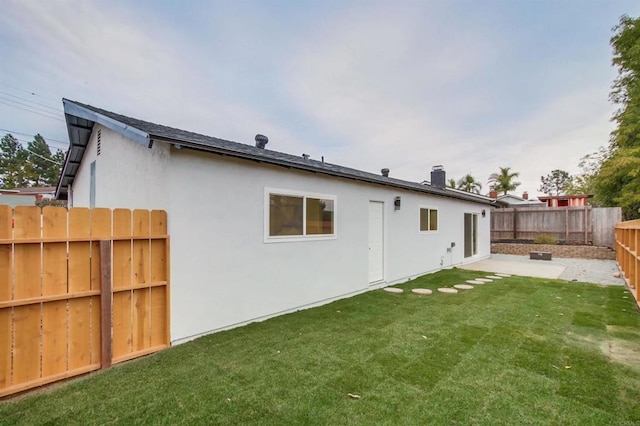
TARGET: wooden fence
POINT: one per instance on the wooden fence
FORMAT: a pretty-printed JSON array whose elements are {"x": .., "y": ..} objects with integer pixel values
[
  {"x": 80, "y": 289},
  {"x": 627, "y": 245},
  {"x": 569, "y": 224}
]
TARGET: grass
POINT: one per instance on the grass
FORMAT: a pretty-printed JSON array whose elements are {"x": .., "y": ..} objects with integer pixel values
[{"x": 516, "y": 351}]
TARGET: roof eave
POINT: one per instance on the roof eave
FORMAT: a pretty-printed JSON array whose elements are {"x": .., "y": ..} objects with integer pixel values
[{"x": 283, "y": 163}]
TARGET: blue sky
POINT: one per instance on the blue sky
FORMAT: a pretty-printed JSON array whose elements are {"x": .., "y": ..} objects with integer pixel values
[{"x": 472, "y": 85}]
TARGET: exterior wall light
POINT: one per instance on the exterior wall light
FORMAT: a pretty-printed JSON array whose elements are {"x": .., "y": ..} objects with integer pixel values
[
  {"x": 484, "y": 213},
  {"x": 396, "y": 203}
]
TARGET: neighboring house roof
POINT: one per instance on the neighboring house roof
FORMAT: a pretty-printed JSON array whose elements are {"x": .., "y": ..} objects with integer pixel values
[
  {"x": 563, "y": 197},
  {"x": 80, "y": 119},
  {"x": 30, "y": 191},
  {"x": 514, "y": 200}
]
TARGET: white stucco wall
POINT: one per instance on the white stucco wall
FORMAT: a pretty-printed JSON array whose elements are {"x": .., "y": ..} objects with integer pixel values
[
  {"x": 223, "y": 273},
  {"x": 128, "y": 175}
]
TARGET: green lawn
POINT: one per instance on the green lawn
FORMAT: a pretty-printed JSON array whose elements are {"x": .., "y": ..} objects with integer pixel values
[{"x": 516, "y": 351}]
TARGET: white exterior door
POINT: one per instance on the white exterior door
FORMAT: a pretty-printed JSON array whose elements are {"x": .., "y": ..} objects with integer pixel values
[{"x": 376, "y": 241}]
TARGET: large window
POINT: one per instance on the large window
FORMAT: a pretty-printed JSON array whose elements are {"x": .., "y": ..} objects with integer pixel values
[
  {"x": 294, "y": 216},
  {"x": 428, "y": 219}
]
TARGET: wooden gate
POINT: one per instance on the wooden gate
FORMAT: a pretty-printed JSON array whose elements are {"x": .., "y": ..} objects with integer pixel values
[{"x": 79, "y": 289}]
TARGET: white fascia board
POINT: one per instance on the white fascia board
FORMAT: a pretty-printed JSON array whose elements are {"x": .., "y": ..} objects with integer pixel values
[{"x": 132, "y": 133}]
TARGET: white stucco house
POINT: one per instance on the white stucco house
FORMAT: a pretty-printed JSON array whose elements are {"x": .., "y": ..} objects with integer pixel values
[{"x": 255, "y": 232}]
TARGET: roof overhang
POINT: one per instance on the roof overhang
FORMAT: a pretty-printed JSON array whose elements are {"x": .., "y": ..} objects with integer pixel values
[{"x": 80, "y": 122}]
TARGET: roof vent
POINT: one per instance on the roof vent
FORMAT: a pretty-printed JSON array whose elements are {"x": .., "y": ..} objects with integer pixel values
[
  {"x": 261, "y": 141},
  {"x": 306, "y": 156},
  {"x": 385, "y": 172}
]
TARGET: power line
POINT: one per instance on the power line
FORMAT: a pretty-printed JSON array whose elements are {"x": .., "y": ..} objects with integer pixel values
[
  {"x": 36, "y": 154},
  {"x": 29, "y": 100},
  {"x": 29, "y": 134},
  {"x": 29, "y": 106},
  {"x": 34, "y": 112},
  {"x": 28, "y": 91}
]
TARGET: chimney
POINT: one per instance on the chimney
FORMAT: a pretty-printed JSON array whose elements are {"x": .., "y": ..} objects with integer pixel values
[
  {"x": 493, "y": 194},
  {"x": 438, "y": 177},
  {"x": 261, "y": 141},
  {"x": 385, "y": 172},
  {"x": 525, "y": 195}
]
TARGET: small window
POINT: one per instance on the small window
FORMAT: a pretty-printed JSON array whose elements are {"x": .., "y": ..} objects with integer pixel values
[
  {"x": 295, "y": 216},
  {"x": 428, "y": 220}
]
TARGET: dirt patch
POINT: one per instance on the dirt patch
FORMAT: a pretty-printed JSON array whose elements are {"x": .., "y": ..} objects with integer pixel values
[{"x": 622, "y": 352}]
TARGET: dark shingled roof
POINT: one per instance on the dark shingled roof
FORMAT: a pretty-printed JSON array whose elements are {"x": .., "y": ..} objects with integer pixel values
[{"x": 81, "y": 118}]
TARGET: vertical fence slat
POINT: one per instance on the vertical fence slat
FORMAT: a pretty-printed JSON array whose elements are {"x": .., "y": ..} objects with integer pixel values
[
  {"x": 141, "y": 324},
  {"x": 141, "y": 275},
  {"x": 54, "y": 337},
  {"x": 26, "y": 348},
  {"x": 100, "y": 229},
  {"x": 159, "y": 295},
  {"x": 27, "y": 284},
  {"x": 6, "y": 214},
  {"x": 79, "y": 251},
  {"x": 121, "y": 267},
  {"x": 5, "y": 347},
  {"x": 79, "y": 280},
  {"x": 54, "y": 282},
  {"x": 121, "y": 249},
  {"x": 54, "y": 258}
]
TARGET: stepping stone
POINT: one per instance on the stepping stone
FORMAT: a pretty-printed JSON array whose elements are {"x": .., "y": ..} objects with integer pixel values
[
  {"x": 484, "y": 280},
  {"x": 421, "y": 291},
  {"x": 493, "y": 277},
  {"x": 393, "y": 290},
  {"x": 463, "y": 286},
  {"x": 476, "y": 282},
  {"x": 503, "y": 275},
  {"x": 447, "y": 290}
]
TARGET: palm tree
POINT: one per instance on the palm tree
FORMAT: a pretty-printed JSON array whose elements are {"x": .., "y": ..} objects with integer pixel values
[
  {"x": 468, "y": 183},
  {"x": 451, "y": 183},
  {"x": 503, "y": 181}
]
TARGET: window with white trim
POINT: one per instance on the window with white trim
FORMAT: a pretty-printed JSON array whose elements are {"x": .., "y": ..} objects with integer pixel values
[
  {"x": 293, "y": 215},
  {"x": 428, "y": 219}
]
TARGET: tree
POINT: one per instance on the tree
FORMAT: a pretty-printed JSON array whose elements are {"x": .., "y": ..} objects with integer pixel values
[
  {"x": 617, "y": 182},
  {"x": 468, "y": 183},
  {"x": 451, "y": 183},
  {"x": 504, "y": 180},
  {"x": 589, "y": 167},
  {"x": 33, "y": 166},
  {"x": 556, "y": 181},
  {"x": 13, "y": 158},
  {"x": 45, "y": 170}
]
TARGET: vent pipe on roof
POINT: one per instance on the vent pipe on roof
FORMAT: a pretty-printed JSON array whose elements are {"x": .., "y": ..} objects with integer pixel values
[
  {"x": 438, "y": 177},
  {"x": 261, "y": 141},
  {"x": 385, "y": 172},
  {"x": 306, "y": 156}
]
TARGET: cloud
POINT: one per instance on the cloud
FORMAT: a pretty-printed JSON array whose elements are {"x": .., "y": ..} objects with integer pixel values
[{"x": 146, "y": 68}]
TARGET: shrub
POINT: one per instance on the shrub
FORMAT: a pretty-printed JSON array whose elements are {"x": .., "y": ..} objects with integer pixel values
[{"x": 545, "y": 239}]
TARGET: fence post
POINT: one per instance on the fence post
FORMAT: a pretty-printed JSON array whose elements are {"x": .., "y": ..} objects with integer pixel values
[
  {"x": 515, "y": 227},
  {"x": 586, "y": 231},
  {"x": 566, "y": 224},
  {"x": 106, "y": 298}
]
